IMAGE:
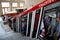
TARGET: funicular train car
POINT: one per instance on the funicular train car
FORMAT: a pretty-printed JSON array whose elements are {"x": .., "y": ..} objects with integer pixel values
[{"x": 30, "y": 21}]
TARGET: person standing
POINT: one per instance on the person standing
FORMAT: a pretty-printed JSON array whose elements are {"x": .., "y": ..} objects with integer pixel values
[
  {"x": 2, "y": 31},
  {"x": 53, "y": 24},
  {"x": 58, "y": 27},
  {"x": 47, "y": 24}
]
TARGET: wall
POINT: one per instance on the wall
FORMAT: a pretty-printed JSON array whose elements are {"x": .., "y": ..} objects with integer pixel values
[
  {"x": 0, "y": 8},
  {"x": 30, "y": 3},
  {"x": 18, "y": 1}
]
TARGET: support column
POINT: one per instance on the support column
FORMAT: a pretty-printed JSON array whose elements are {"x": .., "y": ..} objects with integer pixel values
[
  {"x": 19, "y": 4},
  {"x": 10, "y": 5},
  {"x": 0, "y": 9}
]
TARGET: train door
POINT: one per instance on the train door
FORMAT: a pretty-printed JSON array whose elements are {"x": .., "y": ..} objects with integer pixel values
[
  {"x": 37, "y": 15},
  {"x": 32, "y": 23},
  {"x": 19, "y": 24},
  {"x": 14, "y": 24},
  {"x": 23, "y": 24},
  {"x": 51, "y": 16},
  {"x": 50, "y": 22},
  {"x": 29, "y": 23},
  {"x": 40, "y": 22}
]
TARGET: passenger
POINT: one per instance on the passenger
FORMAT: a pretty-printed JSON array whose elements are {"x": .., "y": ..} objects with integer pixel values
[
  {"x": 58, "y": 27},
  {"x": 53, "y": 24},
  {"x": 47, "y": 24},
  {"x": 2, "y": 31},
  {"x": 6, "y": 18},
  {"x": 23, "y": 28},
  {"x": 41, "y": 30},
  {"x": 42, "y": 27}
]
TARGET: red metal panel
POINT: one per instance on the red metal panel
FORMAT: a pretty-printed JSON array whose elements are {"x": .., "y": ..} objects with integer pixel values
[{"x": 42, "y": 4}]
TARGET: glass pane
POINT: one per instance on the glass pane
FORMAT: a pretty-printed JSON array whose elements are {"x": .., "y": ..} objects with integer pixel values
[
  {"x": 14, "y": 4},
  {"x": 5, "y": 4}
]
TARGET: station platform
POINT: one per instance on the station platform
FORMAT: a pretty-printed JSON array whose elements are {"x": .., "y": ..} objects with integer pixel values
[
  {"x": 15, "y": 36},
  {"x": 10, "y": 35}
]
